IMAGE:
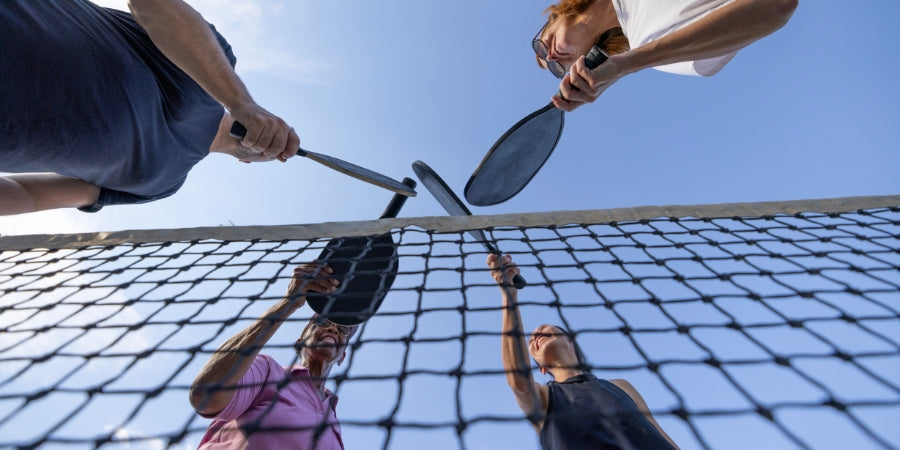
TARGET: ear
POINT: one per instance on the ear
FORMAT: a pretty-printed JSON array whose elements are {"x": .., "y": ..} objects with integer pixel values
[
  {"x": 343, "y": 355},
  {"x": 543, "y": 370}
]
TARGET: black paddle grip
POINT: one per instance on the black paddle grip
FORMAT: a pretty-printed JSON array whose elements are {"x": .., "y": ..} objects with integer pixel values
[
  {"x": 393, "y": 208},
  {"x": 519, "y": 282},
  {"x": 238, "y": 130},
  {"x": 595, "y": 57}
]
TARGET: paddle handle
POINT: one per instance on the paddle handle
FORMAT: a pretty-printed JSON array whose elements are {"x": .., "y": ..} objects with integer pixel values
[
  {"x": 518, "y": 280},
  {"x": 238, "y": 131},
  {"x": 594, "y": 58},
  {"x": 393, "y": 208}
]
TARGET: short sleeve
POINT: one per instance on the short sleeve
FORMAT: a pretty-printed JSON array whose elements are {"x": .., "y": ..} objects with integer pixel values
[
  {"x": 113, "y": 197},
  {"x": 249, "y": 388}
]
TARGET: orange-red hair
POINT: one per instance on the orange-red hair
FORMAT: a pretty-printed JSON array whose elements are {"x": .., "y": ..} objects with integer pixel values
[{"x": 612, "y": 41}]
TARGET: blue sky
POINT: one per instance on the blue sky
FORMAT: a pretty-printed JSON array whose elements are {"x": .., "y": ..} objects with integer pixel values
[{"x": 809, "y": 112}]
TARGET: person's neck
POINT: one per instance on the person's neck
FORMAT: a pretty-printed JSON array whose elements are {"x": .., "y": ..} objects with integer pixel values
[
  {"x": 602, "y": 16},
  {"x": 561, "y": 374},
  {"x": 318, "y": 372}
]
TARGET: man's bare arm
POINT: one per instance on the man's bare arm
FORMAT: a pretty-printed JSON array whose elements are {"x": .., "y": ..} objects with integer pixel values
[
  {"x": 32, "y": 192},
  {"x": 184, "y": 37}
]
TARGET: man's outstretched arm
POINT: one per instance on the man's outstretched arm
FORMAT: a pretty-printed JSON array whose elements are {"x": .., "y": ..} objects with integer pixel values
[
  {"x": 32, "y": 192},
  {"x": 185, "y": 38}
]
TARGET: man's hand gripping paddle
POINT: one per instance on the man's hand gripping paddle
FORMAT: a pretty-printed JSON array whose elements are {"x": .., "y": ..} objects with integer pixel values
[
  {"x": 518, "y": 155},
  {"x": 360, "y": 173},
  {"x": 455, "y": 207},
  {"x": 366, "y": 268}
]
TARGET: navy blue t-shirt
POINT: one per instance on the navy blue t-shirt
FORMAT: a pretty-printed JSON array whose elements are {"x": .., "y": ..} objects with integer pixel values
[
  {"x": 85, "y": 93},
  {"x": 585, "y": 412}
]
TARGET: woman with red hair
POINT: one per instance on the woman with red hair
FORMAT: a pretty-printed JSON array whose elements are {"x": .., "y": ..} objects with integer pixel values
[{"x": 690, "y": 37}]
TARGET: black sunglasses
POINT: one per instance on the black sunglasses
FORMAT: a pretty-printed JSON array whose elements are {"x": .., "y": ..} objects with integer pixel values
[
  {"x": 343, "y": 330},
  {"x": 541, "y": 50}
]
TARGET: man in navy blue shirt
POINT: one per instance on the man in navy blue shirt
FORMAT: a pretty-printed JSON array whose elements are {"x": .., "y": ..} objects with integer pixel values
[{"x": 101, "y": 107}]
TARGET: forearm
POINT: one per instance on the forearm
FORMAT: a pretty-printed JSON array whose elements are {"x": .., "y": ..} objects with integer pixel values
[
  {"x": 723, "y": 31},
  {"x": 185, "y": 38},
  {"x": 25, "y": 193},
  {"x": 233, "y": 358},
  {"x": 512, "y": 346}
]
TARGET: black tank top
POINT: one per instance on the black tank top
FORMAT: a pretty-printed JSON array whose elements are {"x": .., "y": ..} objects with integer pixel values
[{"x": 585, "y": 412}]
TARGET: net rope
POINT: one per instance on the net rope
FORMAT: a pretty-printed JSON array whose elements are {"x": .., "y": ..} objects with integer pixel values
[{"x": 773, "y": 324}]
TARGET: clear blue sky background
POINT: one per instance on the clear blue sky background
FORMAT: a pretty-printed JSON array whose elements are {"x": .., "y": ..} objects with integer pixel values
[{"x": 809, "y": 112}]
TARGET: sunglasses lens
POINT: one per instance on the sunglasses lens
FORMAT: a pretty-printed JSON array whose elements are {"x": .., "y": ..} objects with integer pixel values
[
  {"x": 556, "y": 69},
  {"x": 539, "y": 48}
]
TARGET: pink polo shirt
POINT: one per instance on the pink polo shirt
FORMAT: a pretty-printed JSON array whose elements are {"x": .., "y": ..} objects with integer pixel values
[{"x": 284, "y": 418}]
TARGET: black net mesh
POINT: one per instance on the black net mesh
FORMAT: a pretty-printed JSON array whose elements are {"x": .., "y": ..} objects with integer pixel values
[{"x": 773, "y": 331}]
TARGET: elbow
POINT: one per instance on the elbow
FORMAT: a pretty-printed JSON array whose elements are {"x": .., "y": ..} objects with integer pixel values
[
  {"x": 196, "y": 397},
  {"x": 784, "y": 9},
  {"x": 778, "y": 12},
  {"x": 202, "y": 401}
]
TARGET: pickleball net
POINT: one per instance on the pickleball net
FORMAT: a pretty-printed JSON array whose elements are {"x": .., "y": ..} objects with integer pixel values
[{"x": 765, "y": 325}]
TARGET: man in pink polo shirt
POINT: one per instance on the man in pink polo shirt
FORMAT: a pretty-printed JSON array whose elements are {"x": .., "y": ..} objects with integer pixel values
[{"x": 254, "y": 402}]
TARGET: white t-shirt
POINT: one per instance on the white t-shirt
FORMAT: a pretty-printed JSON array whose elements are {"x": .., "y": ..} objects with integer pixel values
[{"x": 644, "y": 21}]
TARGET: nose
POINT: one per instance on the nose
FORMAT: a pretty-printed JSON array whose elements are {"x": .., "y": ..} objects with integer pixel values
[{"x": 551, "y": 54}]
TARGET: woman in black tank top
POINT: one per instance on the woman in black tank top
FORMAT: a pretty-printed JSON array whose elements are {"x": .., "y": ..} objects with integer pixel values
[{"x": 576, "y": 410}]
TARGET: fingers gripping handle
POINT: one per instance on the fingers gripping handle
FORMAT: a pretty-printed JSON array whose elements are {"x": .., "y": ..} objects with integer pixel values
[
  {"x": 594, "y": 58},
  {"x": 238, "y": 131},
  {"x": 518, "y": 280}
]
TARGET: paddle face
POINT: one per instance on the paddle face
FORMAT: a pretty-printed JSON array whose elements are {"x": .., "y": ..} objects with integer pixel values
[
  {"x": 515, "y": 158},
  {"x": 366, "y": 268},
  {"x": 454, "y": 206},
  {"x": 518, "y": 155},
  {"x": 360, "y": 173}
]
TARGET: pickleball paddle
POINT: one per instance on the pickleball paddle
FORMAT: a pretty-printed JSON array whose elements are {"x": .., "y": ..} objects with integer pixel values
[
  {"x": 518, "y": 155},
  {"x": 455, "y": 207},
  {"x": 366, "y": 268}
]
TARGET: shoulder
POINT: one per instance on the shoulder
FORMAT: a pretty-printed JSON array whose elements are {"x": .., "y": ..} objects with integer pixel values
[
  {"x": 262, "y": 367},
  {"x": 622, "y": 384},
  {"x": 625, "y": 386}
]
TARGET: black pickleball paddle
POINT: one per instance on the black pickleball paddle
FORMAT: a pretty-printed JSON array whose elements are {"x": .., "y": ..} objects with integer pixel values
[
  {"x": 455, "y": 207},
  {"x": 518, "y": 155},
  {"x": 365, "y": 266}
]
